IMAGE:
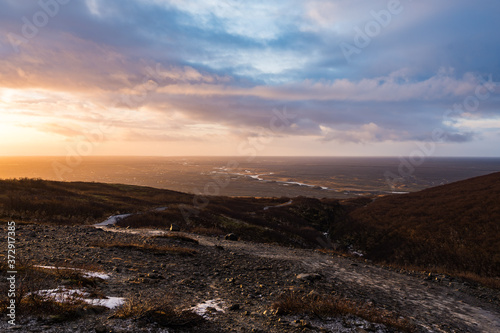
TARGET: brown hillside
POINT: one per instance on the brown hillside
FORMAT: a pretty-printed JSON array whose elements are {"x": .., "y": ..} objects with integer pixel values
[{"x": 455, "y": 227}]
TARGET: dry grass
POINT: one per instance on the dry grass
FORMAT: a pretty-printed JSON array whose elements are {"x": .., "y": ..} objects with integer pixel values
[
  {"x": 490, "y": 282},
  {"x": 148, "y": 248},
  {"x": 208, "y": 231},
  {"x": 176, "y": 237},
  {"x": 299, "y": 224},
  {"x": 71, "y": 309},
  {"x": 70, "y": 276},
  {"x": 158, "y": 310},
  {"x": 74, "y": 202},
  {"x": 327, "y": 306},
  {"x": 452, "y": 228}
]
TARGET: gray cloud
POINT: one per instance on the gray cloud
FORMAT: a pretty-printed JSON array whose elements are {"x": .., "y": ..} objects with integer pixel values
[{"x": 231, "y": 66}]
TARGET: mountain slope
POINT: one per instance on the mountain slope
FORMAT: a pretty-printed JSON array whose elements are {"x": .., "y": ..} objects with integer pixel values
[{"x": 455, "y": 227}]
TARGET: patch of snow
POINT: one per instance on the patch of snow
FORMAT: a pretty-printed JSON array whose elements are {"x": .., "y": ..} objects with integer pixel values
[
  {"x": 256, "y": 177},
  {"x": 202, "y": 308},
  {"x": 112, "y": 220},
  {"x": 67, "y": 295},
  {"x": 109, "y": 302},
  {"x": 61, "y": 294},
  {"x": 88, "y": 274}
]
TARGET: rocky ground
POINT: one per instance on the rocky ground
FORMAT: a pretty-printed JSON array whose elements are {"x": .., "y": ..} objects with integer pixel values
[{"x": 239, "y": 282}]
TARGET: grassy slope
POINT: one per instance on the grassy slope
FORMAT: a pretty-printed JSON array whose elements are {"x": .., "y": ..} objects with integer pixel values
[
  {"x": 77, "y": 202},
  {"x": 454, "y": 227},
  {"x": 53, "y": 202}
]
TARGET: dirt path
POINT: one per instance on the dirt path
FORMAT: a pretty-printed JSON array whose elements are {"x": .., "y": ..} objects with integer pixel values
[
  {"x": 282, "y": 205},
  {"x": 435, "y": 307},
  {"x": 250, "y": 275}
]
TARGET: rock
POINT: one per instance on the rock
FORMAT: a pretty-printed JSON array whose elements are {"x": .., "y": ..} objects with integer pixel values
[
  {"x": 309, "y": 277},
  {"x": 234, "y": 307},
  {"x": 101, "y": 329},
  {"x": 231, "y": 237},
  {"x": 174, "y": 227}
]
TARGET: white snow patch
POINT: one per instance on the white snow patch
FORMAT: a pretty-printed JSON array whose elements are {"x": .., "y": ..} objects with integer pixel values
[
  {"x": 202, "y": 308},
  {"x": 112, "y": 220},
  {"x": 67, "y": 295},
  {"x": 88, "y": 274},
  {"x": 109, "y": 302}
]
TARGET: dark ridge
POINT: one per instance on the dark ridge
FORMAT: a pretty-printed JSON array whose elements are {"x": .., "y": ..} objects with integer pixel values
[
  {"x": 453, "y": 227},
  {"x": 299, "y": 224}
]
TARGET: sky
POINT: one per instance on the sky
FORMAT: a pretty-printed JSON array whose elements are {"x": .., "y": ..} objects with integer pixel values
[{"x": 234, "y": 77}]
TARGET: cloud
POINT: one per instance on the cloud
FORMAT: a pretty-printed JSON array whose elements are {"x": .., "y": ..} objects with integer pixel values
[{"x": 157, "y": 68}]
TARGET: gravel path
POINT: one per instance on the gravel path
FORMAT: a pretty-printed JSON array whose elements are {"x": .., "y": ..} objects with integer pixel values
[{"x": 236, "y": 283}]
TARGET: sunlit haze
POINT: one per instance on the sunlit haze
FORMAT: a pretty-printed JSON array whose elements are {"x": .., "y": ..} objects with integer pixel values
[{"x": 265, "y": 78}]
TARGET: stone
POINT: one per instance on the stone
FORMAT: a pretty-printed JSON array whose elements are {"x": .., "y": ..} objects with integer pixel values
[
  {"x": 234, "y": 307},
  {"x": 174, "y": 227},
  {"x": 231, "y": 237},
  {"x": 309, "y": 277},
  {"x": 101, "y": 329}
]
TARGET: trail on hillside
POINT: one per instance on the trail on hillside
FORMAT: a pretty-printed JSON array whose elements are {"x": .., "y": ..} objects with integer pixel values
[{"x": 432, "y": 306}]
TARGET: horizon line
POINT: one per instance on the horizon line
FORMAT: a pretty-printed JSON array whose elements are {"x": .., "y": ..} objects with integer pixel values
[{"x": 243, "y": 156}]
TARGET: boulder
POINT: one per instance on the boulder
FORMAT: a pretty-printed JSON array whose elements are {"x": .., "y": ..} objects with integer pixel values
[
  {"x": 309, "y": 277},
  {"x": 231, "y": 237}
]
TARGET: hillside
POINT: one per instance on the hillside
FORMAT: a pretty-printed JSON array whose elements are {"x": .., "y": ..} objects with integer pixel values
[
  {"x": 454, "y": 227},
  {"x": 196, "y": 280},
  {"x": 300, "y": 222}
]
